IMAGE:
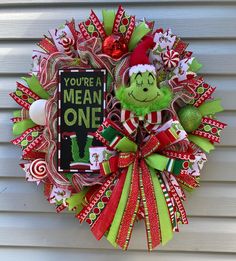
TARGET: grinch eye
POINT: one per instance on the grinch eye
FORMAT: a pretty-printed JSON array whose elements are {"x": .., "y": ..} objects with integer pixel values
[
  {"x": 139, "y": 79},
  {"x": 139, "y": 84},
  {"x": 150, "y": 79}
]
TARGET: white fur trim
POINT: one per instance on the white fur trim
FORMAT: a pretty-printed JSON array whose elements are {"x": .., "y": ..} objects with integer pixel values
[{"x": 142, "y": 68}]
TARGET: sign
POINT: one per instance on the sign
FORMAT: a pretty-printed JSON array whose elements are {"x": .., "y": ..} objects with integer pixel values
[{"x": 81, "y": 108}]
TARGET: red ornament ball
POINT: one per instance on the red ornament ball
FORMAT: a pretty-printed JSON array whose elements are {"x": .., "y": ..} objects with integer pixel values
[{"x": 115, "y": 46}]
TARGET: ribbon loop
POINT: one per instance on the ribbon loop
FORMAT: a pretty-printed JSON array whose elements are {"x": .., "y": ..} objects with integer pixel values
[
  {"x": 131, "y": 121},
  {"x": 126, "y": 159}
]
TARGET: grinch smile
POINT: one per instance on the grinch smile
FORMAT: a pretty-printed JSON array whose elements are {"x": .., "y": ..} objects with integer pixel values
[{"x": 145, "y": 100}]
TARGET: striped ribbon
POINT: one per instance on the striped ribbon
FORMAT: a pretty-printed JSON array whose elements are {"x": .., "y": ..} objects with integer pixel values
[{"x": 131, "y": 122}]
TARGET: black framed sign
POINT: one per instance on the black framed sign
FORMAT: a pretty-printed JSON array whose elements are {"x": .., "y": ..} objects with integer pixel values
[{"x": 81, "y": 109}]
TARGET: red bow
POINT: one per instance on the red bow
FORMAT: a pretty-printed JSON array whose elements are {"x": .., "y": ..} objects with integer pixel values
[
  {"x": 131, "y": 176},
  {"x": 131, "y": 121},
  {"x": 141, "y": 192}
]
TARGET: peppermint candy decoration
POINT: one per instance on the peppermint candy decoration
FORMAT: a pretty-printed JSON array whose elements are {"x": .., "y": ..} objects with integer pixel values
[
  {"x": 170, "y": 59},
  {"x": 38, "y": 169},
  {"x": 68, "y": 45}
]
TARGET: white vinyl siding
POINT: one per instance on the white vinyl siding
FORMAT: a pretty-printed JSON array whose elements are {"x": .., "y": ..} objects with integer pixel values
[{"x": 29, "y": 227}]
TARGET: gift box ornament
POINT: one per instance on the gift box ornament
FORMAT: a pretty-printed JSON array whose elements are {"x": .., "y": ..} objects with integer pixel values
[{"x": 115, "y": 124}]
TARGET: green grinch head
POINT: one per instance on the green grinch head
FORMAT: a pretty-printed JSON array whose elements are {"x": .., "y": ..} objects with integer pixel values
[{"x": 143, "y": 95}]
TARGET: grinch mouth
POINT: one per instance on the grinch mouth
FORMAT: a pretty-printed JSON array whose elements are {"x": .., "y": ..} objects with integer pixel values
[{"x": 145, "y": 100}]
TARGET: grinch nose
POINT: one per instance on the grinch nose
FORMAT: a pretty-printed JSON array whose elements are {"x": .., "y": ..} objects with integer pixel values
[{"x": 145, "y": 89}]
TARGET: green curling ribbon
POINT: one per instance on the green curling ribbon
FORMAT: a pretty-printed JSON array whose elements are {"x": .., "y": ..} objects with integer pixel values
[
  {"x": 108, "y": 20},
  {"x": 36, "y": 87},
  {"x": 203, "y": 143},
  {"x": 139, "y": 32},
  {"x": 22, "y": 126},
  {"x": 163, "y": 212},
  {"x": 76, "y": 200},
  {"x": 114, "y": 229},
  {"x": 211, "y": 107}
]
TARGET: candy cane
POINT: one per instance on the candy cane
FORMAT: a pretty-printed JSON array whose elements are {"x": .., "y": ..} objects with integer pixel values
[{"x": 68, "y": 44}]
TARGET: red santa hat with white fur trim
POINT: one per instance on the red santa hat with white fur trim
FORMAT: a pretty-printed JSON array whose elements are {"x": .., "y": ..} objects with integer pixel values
[{"x": 139, "y": 61}]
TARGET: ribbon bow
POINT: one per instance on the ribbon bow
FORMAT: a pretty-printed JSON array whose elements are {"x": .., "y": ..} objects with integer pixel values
[
  {"x": 131, "y": 121},
  {"x": 132, "y": 183},
  {"x": 144, "y": 189}
]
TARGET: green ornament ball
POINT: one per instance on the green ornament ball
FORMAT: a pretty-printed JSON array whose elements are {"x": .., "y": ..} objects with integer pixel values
[{"x": 190, "y": 118}]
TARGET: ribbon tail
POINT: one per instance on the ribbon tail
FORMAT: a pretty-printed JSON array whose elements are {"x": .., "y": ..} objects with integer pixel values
[
  {"x": 22, "y": 126},
  {"x": 108, "y": 20},
  {"x": 201, "y": 142},
  {"x": 148, "y": 198},
  {"x": 164, "y": 216},
  {"x": 36, "y": 87},
  {"x": 211, "y": 107},
  {"x": 104, "y": 220},
  {"x": 131, "y": 209},
  {"x": 103, "y": 191},
  {"x": 178, "y": 204},
  {"x": 139, "y": 32},
  {"x": 169, "y": 201},
  {"x": 114, "y": 228}
]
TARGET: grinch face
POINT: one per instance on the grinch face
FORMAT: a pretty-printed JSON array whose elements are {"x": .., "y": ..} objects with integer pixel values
[
  {"x": 143, "y": 89},
  {"x": 143, "y": 95}
]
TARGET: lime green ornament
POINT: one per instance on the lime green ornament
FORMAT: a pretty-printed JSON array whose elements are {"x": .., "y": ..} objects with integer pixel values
[{"x": 190, "y": 117}]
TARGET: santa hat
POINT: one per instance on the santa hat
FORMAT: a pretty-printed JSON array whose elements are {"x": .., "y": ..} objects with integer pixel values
[{"x": 139, "y": 61}]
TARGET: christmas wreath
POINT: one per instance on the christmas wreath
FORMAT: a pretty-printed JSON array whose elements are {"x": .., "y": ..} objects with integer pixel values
[{"x": 115, "y": 124}]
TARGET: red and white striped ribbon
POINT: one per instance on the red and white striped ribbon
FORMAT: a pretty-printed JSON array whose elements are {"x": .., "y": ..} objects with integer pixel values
[{"x": 130, "y": 121}]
